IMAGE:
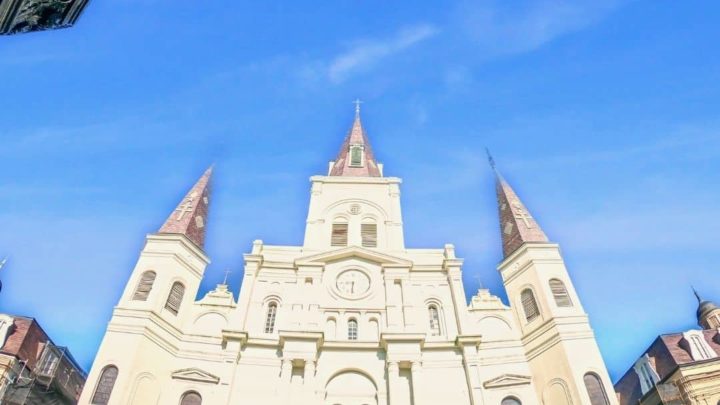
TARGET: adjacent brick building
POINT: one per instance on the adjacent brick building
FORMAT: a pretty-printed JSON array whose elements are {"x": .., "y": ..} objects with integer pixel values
[
  {"x": 678, "y": 368},
  {"x": 33, "y": 370}
]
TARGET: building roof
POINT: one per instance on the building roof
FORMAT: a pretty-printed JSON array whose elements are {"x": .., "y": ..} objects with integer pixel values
[
  {"x": 517, "y": 226},
  {"x": 665, "y": 354},
  {"x": 190, "y": 216},
  {"x": 356, "y": 137}
]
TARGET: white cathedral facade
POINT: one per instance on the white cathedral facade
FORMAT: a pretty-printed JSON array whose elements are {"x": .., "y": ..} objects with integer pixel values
[{"x": 350, "y": 317}]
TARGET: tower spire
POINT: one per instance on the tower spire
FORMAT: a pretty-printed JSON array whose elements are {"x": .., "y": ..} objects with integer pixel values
[
  {"x": 699, "y": 300},
  {"x": 356, "y": 157},
  {"x": 190, "y": 216},
  {"x": 517, "y": 226}
]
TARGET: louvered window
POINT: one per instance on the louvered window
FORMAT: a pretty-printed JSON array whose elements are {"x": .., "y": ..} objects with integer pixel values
[
  {"x": 559, "y": 292},
  {"x": 144, "y": 286},
  {"x": 270, "y": 318},
  {"x": 339, "y": 235},
  {"x": 434, "y": 320},
  {"x": 352, "y": 329},
  {"x": 175, "y": 298},
  {"x": 105, "y": 385},
  {"x": 191, "y": 398},
  {"x": 356, "y": 155},
  {"x": 529, "y": 305},
  {"x": 595, "y": 389},
  {"x": 368, "y": 232}
]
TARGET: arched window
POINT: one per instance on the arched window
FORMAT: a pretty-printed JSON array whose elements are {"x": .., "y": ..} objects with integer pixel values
[
  {"x": 595, "y": 389},
  {"x": 270, "y": 317},
  {"x": 339, "y": 235},
  {"x": 352, "y": 329},
  {"x": 529, "y": 305},
  {"x": 191, "y": 398},
  {"x": 105, "y": 385},
  {"x": 434, "y": 316},
  {"x": 368, "y": 233},
  {"x": 511, "y": 401},
  {"x": 559, "y": 292},
  {"x": 144, "y": 286},
  {"x": 175, "y": 297}
]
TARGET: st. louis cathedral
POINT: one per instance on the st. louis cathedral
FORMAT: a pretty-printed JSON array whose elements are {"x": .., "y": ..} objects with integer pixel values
[{"x": 350, "y": 317}]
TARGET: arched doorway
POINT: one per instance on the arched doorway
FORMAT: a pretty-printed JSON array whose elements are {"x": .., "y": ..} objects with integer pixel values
[{"x": 350, "y": 388}]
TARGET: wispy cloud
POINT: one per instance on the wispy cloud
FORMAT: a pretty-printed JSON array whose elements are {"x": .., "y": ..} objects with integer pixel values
[
  {"x": 502, "y": 29},
  {"x": 365, "y": 54}
]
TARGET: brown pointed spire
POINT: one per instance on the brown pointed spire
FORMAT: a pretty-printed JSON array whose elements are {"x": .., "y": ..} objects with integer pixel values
[
  {"x": 190, "y": 216},
  {"x": 517, "y": 226},
  {"x": 356, "y": 157}
]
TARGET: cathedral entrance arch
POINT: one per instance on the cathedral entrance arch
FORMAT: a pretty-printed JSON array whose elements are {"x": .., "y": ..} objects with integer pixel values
[{"x": 351, "y": 388}]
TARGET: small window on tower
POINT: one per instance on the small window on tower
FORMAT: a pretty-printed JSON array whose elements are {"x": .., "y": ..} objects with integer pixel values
[
  {"x": 559, "y": 292},
  {"x": 368, "y": 233},
  {"x": 339, "y": 235},
  {"x": 529, "y": 305},
  {"x": 356, "y": 155}
]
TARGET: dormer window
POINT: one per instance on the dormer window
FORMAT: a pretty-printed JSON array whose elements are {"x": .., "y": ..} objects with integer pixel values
[
  {"x": 694, "y": 342},
  {"x": 646, "y": 373},
  {"x": 356, "y": 155}
]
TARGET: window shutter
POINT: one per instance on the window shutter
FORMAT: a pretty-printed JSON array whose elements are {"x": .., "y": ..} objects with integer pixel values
[
  {"x": 339, "y": 235},
  {"x": 529, "y": 305},
  {"x": 368, "y": 232},
  {"x": 105, "y": 386},
  {"x": 144, "y": 286},
  {"x": 175, "y": 298},
  {"x": 595, "y": 390},
  {"x": 559, "y": 292},
  {"x": 191, "y": 398}
]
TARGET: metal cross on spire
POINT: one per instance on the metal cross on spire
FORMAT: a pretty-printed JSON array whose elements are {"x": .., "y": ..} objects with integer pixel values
[
  {"x": 490, "y": 158},
  {"x": 357, "y": 103}
]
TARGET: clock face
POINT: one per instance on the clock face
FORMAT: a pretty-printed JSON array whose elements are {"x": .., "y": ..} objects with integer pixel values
[{"x": 352, "y": 283}]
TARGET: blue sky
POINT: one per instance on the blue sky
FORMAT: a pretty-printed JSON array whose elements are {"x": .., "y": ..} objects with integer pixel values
[{"x": 602, "y": 114}]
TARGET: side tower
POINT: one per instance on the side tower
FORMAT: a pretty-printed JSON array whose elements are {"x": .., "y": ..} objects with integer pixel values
[
  {"x": 708, "y": 313},
  {"x": 560, "y": 345},
  {"x": 153, "y": 307}
]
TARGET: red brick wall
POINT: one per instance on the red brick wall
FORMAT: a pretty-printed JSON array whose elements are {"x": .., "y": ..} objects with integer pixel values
[{"x": 26, "y": 341}]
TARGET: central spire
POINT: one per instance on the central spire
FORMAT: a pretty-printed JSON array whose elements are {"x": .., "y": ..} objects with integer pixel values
[
  {"x": 356, "y": 157},
  {"x": 517, "y": 226}
]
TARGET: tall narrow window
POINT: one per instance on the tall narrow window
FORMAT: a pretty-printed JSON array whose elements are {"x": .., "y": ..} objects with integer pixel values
[
  {"x": 270, "y": 317},
  {"x": 529, "y": 305},
  {"x": 144, "y": 286},
  {"x": 434, "y": 315},
  {"x": 352, "y": 329},
  {"x": 105, "y": 385},
  {"x": 510, "y": 401},
  {"x": 191, "y": 398},
  {"x": 559, "y": 292},
  {"x": 175, "y": 298},
  {"x": 356, "y": 155},
  {"x": 595, "y": 389},
  {"x": 368, "y": 233},
  {"x": 339, "y": 235}
]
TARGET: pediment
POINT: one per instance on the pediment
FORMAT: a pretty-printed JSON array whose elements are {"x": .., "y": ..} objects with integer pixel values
[
  {"x": 195, "y": 374},
  {"x": 382, "y": 259},
  {"x": 507, "y": 380}
]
